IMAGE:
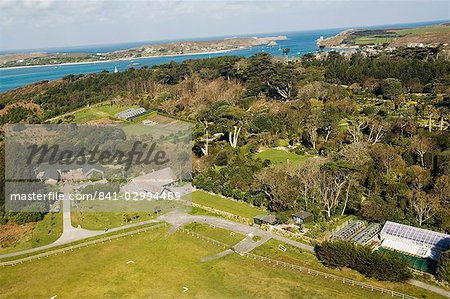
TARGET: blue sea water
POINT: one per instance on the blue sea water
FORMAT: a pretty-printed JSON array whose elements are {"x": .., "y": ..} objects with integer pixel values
[{"x": 300, "y": 43}]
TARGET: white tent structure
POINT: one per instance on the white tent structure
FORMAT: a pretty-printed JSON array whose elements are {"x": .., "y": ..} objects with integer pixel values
[{"x": 413, "y": 240}]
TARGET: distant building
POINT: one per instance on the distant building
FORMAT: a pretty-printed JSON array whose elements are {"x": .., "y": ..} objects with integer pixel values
[
  {"x": 51, "y": 174},
  {"x": 156, "y": 182},
  {"x": 413, "y": 240},
  {"x": 302, "y": 217},
  {"x": 415, "y": 45},
  {"x": 131, "y": 113},
  {"x": 265, "y": 219}
]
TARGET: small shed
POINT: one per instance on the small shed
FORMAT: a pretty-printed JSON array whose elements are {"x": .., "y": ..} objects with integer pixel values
[
  {"x": 302, "y": 217},
  {"x": 265, "y": 219}
]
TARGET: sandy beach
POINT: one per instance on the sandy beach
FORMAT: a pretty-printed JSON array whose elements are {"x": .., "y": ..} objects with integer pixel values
[{"x": 112, "y": 60}]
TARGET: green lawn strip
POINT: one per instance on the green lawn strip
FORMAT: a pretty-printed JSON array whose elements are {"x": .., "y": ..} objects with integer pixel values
[
  {"x": 141, "y": 118},
  {"x": 200, "y": 211},
  {"x": 163, "y": 265},
  {"x": 420, "y": 30},
  {"x": 102, "y": 220},
  {"x": 80, "y": 241},
  {"x": 216, "y": 233},
  {"x": 278, "y": 156},
  {"x": 297, "y": 256},
  {"x": 45, "y": 232},
  {"x": 99, "y": 112},
  {"x": 227, "y": 205},
  {"x": 373, "y": 40}
]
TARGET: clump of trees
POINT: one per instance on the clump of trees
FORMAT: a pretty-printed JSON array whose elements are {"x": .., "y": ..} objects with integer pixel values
[
  {"x": 373, "y": 130},
  {"x": 380, "y": 265},
  {"x": 443, "y": 267}
]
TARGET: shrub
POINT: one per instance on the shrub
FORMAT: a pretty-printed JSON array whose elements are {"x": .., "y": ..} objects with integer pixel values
[
  {"x": 443, "y": 267},
  {"x": 380, "y": 265}
]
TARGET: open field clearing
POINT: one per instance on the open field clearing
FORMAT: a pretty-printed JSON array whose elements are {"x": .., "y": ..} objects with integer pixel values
[
  {"x": 278, "y": 156},
  {"x": 303, "y": 258},
  {"x": 102, "y": 220},
  {"x": 227, "y": 205},
  {"x": 161, "y": 266},
  {"x": 373, "y": 40},
  {"x": 97, "y": 113},
  {"x": 41, "y": 233},
  {"x": 216, "y": 233},
  {"x": 420, "y": 30}
]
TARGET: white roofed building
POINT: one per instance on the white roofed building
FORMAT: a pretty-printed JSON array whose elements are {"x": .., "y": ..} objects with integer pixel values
[
  {"x": 131, "y": 113},
  {"x": 413, "y": 240},
  {"x": 156, "y": 182}
]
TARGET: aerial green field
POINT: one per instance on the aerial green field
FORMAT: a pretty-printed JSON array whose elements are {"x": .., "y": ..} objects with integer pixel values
[
  {"x": 163, "y": 265},
  {"x": 377, "y": 39},
  {"x": 96, "y": 113},
  {"x": 278, "y": 156},
  {"x": 216, "y": 233},
  {"x": 234, "y": 207},
  {"x": 373, "y": 40},
  {"x": 102, "y": 220},
  {"x": 45, "y": 232},
  {"x": 307, "y": 259},
  {"x": 98, "y": 215},
  {"x": 419, "y": 30}
]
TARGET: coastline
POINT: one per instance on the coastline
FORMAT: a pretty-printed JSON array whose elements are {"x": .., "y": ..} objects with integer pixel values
[{"x": 119, "y": 59}]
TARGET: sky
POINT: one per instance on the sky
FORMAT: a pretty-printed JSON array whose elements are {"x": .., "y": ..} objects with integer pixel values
[{"x": 34, "y": 24}]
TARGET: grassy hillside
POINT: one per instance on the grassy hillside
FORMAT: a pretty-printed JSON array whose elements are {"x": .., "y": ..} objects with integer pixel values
[
  {"x": 439, "y": 34},
  {"x": 279, "y": 157},
  {"x": 41, "y": 233},
  {"x": 163, "y": 266},
  {"x": 226, "y": 205}
]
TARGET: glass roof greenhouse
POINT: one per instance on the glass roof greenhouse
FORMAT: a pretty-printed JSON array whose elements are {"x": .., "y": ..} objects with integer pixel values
[{"x": 414, "y": 240}]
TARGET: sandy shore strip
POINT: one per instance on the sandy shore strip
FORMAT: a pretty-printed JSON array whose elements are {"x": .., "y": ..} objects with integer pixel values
[{"x": 119, "y": 59}]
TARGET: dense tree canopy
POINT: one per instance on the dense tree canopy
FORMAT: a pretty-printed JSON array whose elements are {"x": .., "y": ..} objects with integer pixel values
[{"x": 372, "y": 131}]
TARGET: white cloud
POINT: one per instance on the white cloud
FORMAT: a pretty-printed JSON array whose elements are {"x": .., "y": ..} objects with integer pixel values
[
  {"x": 38, "y": 4},
  {"x": 46, "y": 23}
]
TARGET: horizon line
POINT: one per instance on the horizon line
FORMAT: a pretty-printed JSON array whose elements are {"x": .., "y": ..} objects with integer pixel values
[{"x": 143, "y": 42}]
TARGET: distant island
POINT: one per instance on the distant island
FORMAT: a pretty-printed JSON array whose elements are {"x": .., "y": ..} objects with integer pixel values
[
  {"x": 390, "y": 39},
  {"x": 150, "y": 50}
]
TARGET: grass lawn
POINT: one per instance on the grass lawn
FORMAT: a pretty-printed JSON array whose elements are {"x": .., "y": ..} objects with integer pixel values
[
  {"x": 304, "y": 258},
  {"x": 100, "y": 112},
  {"x": 278, "y": 156},
  {"x": 101, "y": 220},
  {"x": 98, "y": 215},
  {"x": 373, "y": 40},
  {"x": 216, "y": 233},
  {"x": 45, "y": 232},
  {"x": 164, "y": 264},
  {"x": 234, "y": 207},
  {"x": 420, "y": 30}
]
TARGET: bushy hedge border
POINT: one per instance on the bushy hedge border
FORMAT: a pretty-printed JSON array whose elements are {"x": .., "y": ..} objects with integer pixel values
[{"x": 380, "y": 265}]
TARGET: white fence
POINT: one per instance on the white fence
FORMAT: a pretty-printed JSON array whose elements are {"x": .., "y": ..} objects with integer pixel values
[
  {"x": 86, "y": 244},
  {"x": 207, "y": 239},
  {"x": 304, "y": 269}
]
